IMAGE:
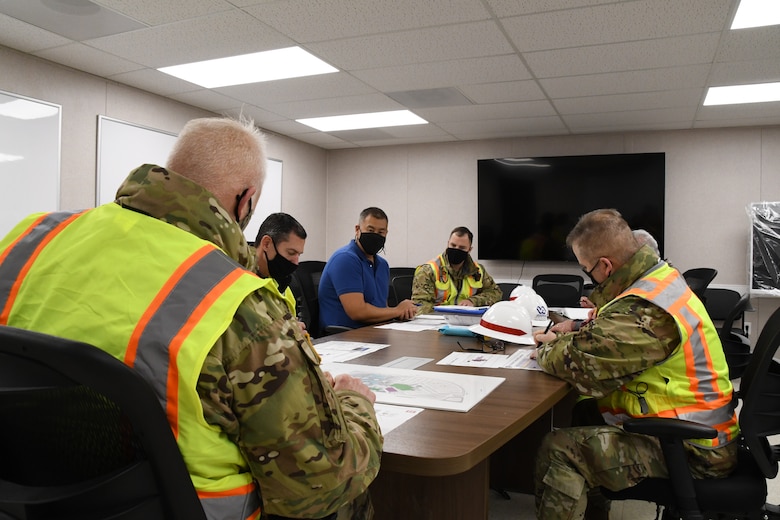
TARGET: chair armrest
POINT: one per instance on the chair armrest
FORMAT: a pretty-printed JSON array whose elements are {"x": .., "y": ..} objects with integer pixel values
[{"x": 669, "y": 427}]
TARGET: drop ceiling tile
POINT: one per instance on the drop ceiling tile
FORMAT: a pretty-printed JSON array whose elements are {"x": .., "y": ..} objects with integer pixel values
[
  {"x": 756, "y": 43},
  {"x": 324, "y": 141},
  {"x": 154, "y": 12},
  {"x": 637, "y": 126},
  {"x": 495, "y": 111},
  {"x": 450, "y": 42},
  {"x": 289, "y": 127},
  {"x": 627, "y": 102},
  {"x": 627, "y": 81},
  {"x": 429, "y": 98},
  {"x": 25, "y": 37},
  {"x": 503, "y": 92},
  {"x": 616, "y": 57},
  {"x": 410, "y": 140},
  {"x": 617, "y": 22},
  {"x": 442, "y": 73},
  {"x": 258, "y": 115},
  {"x": 504, "y": 8},
  {"x": 153, "y": 80},
  {"x": 505, "y": 127},
  {"x": 415, "y": 131},
  {"x": 738, "y": 121},
  {"x": 334, "y": 85},
  {"x": 74, "y": 20},
  {"x": 745, "y": 72},
  {"x": 88, "y": 59},
  {"x": 631, "y": 117},
  {"x": 320, "y": 20},
  {"x": 335, "y": 106},
  {"x": 223, "y": 34},
  {"x": 207, "y": 99}
]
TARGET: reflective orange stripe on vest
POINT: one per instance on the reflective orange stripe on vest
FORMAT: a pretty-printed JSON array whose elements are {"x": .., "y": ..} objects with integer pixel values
[{"x": 15, "y": 262}]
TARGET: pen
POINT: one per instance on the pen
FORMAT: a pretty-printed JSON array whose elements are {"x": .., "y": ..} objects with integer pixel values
[{"x": 546, "y": 330}]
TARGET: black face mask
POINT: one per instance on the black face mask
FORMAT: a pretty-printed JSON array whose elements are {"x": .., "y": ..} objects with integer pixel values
[
  {"x": 372, "y": 242},
  {"x": 456, "y": 256},
  {"x": 280, "y": 269}
]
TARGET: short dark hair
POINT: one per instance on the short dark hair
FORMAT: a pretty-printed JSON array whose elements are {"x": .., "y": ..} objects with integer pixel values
[
  {"x": 278, "y": 226},
  {"x": 463, "y": 230},
  {"x": 374, "y": 212}
]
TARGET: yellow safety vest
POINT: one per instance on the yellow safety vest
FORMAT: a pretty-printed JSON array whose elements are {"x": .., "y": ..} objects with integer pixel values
[
  {"x": 446, "y": 291},
  {"x": 152, "y": 295},
  {"x": 693, "y": 382}
]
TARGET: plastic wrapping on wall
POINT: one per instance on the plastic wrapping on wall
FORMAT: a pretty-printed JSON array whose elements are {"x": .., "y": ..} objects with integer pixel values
[{"x": 765, "y": 248}]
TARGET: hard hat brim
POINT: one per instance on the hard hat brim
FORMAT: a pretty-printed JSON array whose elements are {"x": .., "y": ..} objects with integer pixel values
[{"x": 528, "y": 339}]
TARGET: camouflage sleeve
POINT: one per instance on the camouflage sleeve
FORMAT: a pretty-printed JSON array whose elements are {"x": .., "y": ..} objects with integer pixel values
[
  {"x": 311, "y": 450},
  {"x": 424, "y": 288},
  {"x": 623, "y": 340},
  {"x": 490, "y": 292}
]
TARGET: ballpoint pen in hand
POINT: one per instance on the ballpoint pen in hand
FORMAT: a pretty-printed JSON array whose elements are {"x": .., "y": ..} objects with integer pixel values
[{"x": 546, "y": 330}]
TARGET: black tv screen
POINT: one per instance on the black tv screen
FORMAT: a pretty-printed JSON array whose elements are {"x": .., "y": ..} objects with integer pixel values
[{"x": 527, "y": 206}]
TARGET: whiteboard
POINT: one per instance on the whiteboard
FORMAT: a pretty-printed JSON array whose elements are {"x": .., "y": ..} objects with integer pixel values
[
  {"x": 123, "y": 147},
  {"x": 29, "y": 158}
]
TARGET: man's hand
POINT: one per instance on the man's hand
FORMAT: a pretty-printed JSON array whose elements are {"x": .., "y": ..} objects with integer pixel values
[
  {"x": 466, "y": 303},
  {"x": 347, "y": 382},
  {"x": 407, "y": 310}
]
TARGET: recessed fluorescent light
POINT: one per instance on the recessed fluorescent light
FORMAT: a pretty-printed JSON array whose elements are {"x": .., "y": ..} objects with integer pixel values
[
  {"x": 368, "y": 120},
  {"x": 291, "y": 62},
  {"x": 736, "y": 94},
  {"x": 4, "y": 157},
  {"x": 23, "y": 109},
  {"x": 756, "y": 13}
]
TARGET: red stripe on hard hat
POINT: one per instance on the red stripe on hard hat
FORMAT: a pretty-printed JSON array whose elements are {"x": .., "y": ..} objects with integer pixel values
[{"x": 499, "y": 328}]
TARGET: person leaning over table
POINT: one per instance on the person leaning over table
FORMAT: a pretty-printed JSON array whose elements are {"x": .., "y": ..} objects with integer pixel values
[
  {"x": 355, "y": 281},
  {"x": 164, "y": 272},
  {"x": 637, "y": 359},
  {"x": 454, "y": 278}
]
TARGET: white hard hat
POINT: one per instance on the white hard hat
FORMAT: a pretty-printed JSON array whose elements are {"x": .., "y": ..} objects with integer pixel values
[
  {"x": 506, "y": 321},
  {"x": 519, "y": 291},
  {"x": 533, "y": 303}
]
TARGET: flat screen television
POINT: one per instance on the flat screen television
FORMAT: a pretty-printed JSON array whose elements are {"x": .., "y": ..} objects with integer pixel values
[{"x": 527, "y": 206}]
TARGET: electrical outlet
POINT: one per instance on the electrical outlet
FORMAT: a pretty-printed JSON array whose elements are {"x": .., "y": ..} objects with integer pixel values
[{"x": 748, "y": 326}]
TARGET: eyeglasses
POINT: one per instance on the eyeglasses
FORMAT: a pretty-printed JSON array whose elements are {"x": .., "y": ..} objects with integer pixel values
[{"x": 485, "y": 346}]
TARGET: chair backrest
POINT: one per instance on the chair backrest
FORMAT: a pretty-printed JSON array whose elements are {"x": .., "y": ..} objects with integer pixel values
[
  {"x": 84, "y": 436},
  {"x": 392, "y": 300},
  {"x": 306, "y": 282},
  {"x": 759, "y": 389},
  {"x": 401, "y": 287},
  {"x": 506, "y": 289},
  {"x": 559, "y": 290},
  {"x": 719, "y": 302},
  {"x": 698, "y": 279},
  {"x": 737, "y": 313}
]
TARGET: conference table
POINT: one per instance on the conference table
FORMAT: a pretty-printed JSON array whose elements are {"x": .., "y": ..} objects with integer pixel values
[{"x": 442, "y": 464}]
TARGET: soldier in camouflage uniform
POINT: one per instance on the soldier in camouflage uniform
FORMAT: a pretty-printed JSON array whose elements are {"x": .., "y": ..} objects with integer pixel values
[
  {"x": 311, "y": 443},
  {"x": 453, "y": 278},
  {"x": 628, "y": 340}
]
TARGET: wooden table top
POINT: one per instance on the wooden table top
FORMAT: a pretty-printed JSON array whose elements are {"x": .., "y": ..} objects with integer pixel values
[{"x": 435, "y": 442}]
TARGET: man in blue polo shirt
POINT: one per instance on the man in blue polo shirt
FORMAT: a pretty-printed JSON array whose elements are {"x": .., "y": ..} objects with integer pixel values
[{"x": 355, "y": 282}]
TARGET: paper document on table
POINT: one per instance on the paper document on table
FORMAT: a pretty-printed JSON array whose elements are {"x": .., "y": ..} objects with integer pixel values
[
  {"x": 573, "y": 313},
  {"x": 522, "y": 359},
  {"x": 411, "y": 326},
  {"x": 519, "y": 359},
  {"x": 408, "y": 362},
  {"x": 474, "y": 359},
  {"x": 435, "y": 390},
  {"x": 340, "y": 351},
  {"x": 390, "y": 416}
]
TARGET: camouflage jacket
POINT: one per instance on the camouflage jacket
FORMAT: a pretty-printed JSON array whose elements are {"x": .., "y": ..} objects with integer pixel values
[
  {"x": 310, "y": 448},
  {"x": 424, "y": 285},
  {"x": 630, "y": 336}
]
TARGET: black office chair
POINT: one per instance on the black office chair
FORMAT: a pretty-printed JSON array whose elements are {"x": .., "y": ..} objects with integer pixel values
[
  {"x": 392, "y": 299},
  {"x": 401, "y": 287},
  {"x": 84, "y": 437},
  {"x": 698, "y": 279},
  {"x": 559, "y": 290},
  {"x": 305, "y": 286},
  {"x": 743, "y": 493},
  {"x": 506, "y": 289},
  {"x": 737, "y": 313}
]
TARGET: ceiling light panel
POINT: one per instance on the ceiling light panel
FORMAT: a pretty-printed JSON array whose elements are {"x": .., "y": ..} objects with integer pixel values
[
  {"x": 737, "y": 94},
  {"x": 367, "y": 120},
  {"x": 291, "y": 62},
  {"x": 756, "y": 13}
]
